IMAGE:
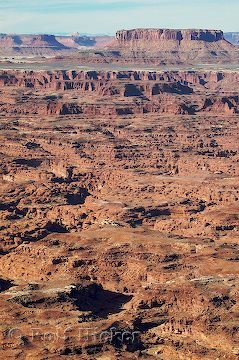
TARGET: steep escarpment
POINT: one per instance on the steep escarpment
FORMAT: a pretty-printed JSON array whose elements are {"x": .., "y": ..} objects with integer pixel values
[
  {"x": 233, "y": 37},
  {"x": 29, "y": 45},
  {"x": 175, "y": 46},
  {"x": 124, "y": 36},
  {"x": 70, "y": 80},
  {"x": 79, "y": 42},
  {"x": 119, "y": 226},
  {"x": 118, "y": 92},
  {"x": 48, "y": 45},
  {"x": 148, "y": 46},
  {"x": 119, "y": 214}
]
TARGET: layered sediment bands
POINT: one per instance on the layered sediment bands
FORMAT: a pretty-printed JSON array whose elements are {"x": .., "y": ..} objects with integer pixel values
[
  {"x": 148, "y": 46},
  {"x": 30, "y": 45},
  {"x": 119, "y": 215},
  {"x": 124, "y": 36},
  {"x": 67, "y": 80},
  {"x": 43, "y": 44},
  {"x": 7, "y": 41},
  {"x": 119, "y": 92},
  {"x": 172, "y": 46},
  {"x": 78, "y": 42}
]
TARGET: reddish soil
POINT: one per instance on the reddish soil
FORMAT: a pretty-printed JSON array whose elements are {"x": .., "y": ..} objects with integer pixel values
[
  {"x": 119, "y": 215},
  {"x": 116, "y": 93}
]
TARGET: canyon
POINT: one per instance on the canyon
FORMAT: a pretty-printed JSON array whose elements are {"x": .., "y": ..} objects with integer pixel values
[
  {"x": 119, "y": 203},
  {"x": 119, "y": 188},
  {"x": 118, "y": 92}
]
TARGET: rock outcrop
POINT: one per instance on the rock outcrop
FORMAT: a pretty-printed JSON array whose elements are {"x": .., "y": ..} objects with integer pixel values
[
  {"x": 136, "y": 92},
  {"x": 43, "y": 44},
  {"x": 119, "y": 215},
  {"x": 79, "y": 42},
  {"x": 172, "y": 46},
  {"x": 233, "y": 37},
  {"x": 98, "y": 81},
  {"x": 30, "y": 45},
  {"x": 149, "y": 46},
  {"x": 30, "y": 41},
  {"x": 135, "y": 35}
]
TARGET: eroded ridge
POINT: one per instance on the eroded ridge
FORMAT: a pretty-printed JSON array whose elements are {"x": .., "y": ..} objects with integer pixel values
[
  {"x": 118, "y": 92},
  {"x": 119, "y": 226}
]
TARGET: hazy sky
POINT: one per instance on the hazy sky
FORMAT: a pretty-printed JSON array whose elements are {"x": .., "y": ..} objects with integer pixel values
[{"x": 107, "y": 16}]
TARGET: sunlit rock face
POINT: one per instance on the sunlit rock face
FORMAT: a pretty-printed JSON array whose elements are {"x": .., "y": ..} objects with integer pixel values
[{"x": 124, "y": 36}]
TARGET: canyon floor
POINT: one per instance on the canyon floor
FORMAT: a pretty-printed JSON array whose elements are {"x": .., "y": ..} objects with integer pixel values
[{"x": 119, "y": 214}]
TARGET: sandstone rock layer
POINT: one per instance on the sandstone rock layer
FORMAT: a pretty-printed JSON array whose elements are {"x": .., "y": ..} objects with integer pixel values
[
  {"x": 124, "y": 36},
  {"x": 119, "y": 215}
]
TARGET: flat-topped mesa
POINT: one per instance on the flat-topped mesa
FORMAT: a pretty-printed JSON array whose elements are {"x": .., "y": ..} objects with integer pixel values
[
  {"x": 29, "y": 41},
  {"x": 134, "y": 35}
]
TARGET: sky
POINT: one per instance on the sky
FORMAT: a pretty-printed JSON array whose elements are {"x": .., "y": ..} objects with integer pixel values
[{"x": 108, "y": 16}]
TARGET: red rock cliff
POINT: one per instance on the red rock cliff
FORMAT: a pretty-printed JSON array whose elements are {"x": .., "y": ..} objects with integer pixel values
[{"x": 123, "y": 36}]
